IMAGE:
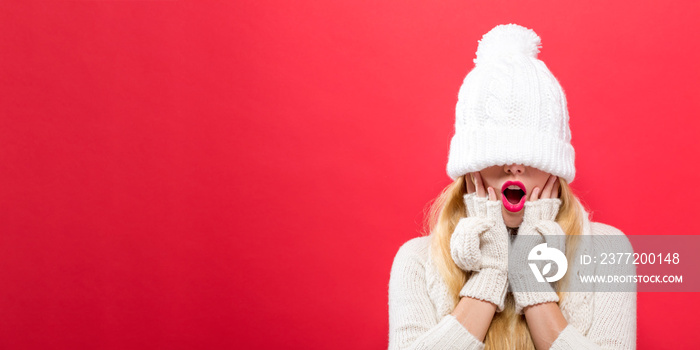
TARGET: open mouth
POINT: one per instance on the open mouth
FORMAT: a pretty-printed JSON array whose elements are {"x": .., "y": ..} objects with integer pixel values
[{"x": 513, "y": 195}]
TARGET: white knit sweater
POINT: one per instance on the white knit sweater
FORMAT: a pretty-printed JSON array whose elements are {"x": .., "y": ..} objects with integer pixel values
[{"x": 420, "y": 307}]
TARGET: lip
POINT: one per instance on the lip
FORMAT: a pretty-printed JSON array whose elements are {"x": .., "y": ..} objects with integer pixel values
[{"x": 510, "y": 206}]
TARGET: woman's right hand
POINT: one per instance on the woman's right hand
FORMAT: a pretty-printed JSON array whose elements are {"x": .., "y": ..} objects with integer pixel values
[
  {"x": 474, "y": 179},
  {"x": 470, "y": 232},
  {"x": 480, "y": 243}
]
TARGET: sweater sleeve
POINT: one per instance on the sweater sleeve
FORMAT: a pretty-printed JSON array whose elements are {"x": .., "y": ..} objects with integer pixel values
[
  {"x": 413, "y": 322},
  {"x": 614, "y": 313}
]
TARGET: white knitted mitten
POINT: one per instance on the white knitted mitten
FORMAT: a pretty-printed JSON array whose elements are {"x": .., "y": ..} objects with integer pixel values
[
  {"x": 538, "y": 227},
  {"x": 479, "y": 243}
]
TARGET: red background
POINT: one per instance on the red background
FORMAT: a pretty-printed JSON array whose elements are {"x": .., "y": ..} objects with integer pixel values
[{"x": 181, "y": 174}]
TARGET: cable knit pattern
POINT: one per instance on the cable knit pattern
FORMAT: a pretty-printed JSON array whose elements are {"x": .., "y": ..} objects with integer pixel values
[
  {"x": 420, "y": 305},
  {"x": 511, "y": 109}
]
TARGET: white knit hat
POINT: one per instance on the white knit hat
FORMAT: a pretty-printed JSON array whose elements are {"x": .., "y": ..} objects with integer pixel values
[{"x": 511, "y": 109}]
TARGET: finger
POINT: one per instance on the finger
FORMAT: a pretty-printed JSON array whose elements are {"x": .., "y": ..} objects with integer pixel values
[
  {"x": 480, "y": 191},
  {"x": 555, "y": 190},
  {"x": 547, "y": 191},
  {"x": 471, "y": 188},
  {"x": 492, "y": 194},
  {"x": 535, "y": 193}
]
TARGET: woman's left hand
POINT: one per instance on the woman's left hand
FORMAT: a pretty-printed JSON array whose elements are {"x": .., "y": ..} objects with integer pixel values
[
  {"x": 538, "y": 226},
  {"x": 541, "y": 211},
  {"x": 551, "y": 189}
]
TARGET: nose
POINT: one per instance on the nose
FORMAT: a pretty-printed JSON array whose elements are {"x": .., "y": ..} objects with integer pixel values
[{"x": 514, "y": 169}]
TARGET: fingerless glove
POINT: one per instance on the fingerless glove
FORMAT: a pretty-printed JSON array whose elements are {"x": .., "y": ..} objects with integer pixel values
[
  {"x": 538, "y": 227},
  {"x": 480, "y": 244}
]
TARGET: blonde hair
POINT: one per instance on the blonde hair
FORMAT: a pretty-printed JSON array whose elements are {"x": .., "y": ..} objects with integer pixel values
[{"x": 507, "y": 330}]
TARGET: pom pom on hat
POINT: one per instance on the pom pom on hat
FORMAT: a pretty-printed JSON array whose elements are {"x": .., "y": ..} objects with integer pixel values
[{"x": 505, "y": 40}]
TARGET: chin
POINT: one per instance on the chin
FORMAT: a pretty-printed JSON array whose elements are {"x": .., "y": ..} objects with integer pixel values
[{"x": 513, "y": 220}]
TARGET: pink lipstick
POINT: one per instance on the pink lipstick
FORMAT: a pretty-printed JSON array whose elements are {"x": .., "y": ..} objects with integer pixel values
[{"x": 513, "y": 195}]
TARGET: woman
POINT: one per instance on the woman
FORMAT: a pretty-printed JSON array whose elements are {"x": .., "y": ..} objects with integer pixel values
[{"x": 466, "y": 285}]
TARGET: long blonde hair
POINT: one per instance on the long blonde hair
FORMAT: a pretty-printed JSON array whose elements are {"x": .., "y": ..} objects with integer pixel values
[{"x": 507, "y": 330}]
